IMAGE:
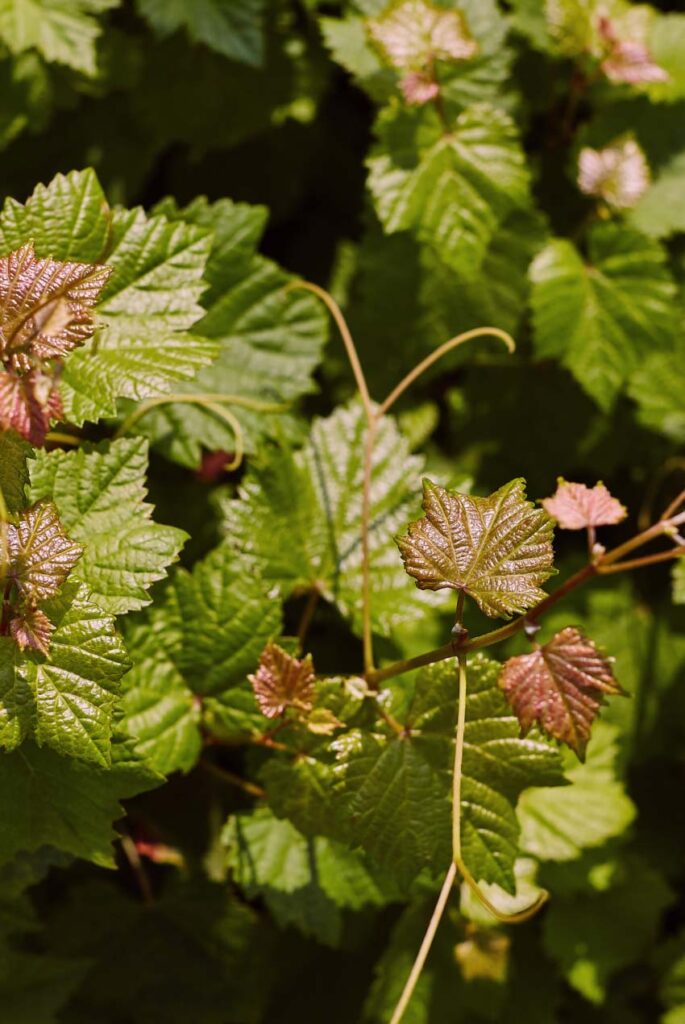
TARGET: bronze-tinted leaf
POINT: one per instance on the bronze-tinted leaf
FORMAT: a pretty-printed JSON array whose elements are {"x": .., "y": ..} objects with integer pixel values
[
  {"x": 497, "y": 549},
  {"x": 560, "y": 686},
  {"x": 31, "y": 627},
  {"x": 28, "y": 403},
  {"x": 412, "y": 34},
  {"x": 282, "y": 681},
  {"x": 575, "y": 506},
  {"x": 45, "y": 306},
  {"x": 41, "y": 556}
]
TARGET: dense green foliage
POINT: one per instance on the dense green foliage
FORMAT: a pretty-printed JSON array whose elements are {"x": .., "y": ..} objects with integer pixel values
[{"x": 224, "y": 796}]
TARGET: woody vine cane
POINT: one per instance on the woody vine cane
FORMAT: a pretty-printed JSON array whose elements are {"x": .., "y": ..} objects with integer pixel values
[{"x": 593, "y": 506}]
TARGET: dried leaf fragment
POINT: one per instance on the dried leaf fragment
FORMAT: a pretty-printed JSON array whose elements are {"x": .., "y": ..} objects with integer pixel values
[
  {"x": 560, "y": 686},
  {"x": 497, "y": 549},
  {"x": 282, "y": 681},
  {"x": 413, "y": 34},
  {"x": 41, "y": 556},
  {"x": 576, "y": 506},
  {"x": 45, "y": 305},
  {"x": 618, "y": 174}
]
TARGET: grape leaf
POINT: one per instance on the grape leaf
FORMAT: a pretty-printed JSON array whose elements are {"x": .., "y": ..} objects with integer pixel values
[
  {"x": 679, "y": 582},
  {"x": 575, "y": 506},
  {"x": 149, "y": 303},
  {"x": 314, "y": 498},
  {"x": 619, "y": 174},
  {"x": 65, "y": 32},
  {"x": 31, "y": 628},
  {"x": 269, "y": 340},
  {"x": 558, "y": 826},
  {"x": 35, "y": 987},
  {"x": 304, "y": 882},
  {"x": 602, "y": 317},
  {"x": 560, "y": 685},
  {"x": 49, "y": 800},
  {"x": 223, "y": 619},
  {"x": 414, "y": 33},
  {"x": 69, "y": 219},
  {"x": 395, "y": 793},
  {"x": 450, "y": 189},
  {"x": 235, "y": 30},
  {"x": 657, "y": 387},
  {"x": 14, "y": 472},
  {"x": 28, "y": 403},
  {"x": 41, "y": 556},
  {"x": 282, "y": 681},
  {"x": 45, "y": 305},
  {"x": 496, "y": 549},
  {"x": 99, "y": 493},
  {"x": 160, "y": 712}
]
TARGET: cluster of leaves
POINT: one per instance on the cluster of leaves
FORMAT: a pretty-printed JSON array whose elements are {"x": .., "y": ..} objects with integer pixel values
[{"x": 280, "y": 824}]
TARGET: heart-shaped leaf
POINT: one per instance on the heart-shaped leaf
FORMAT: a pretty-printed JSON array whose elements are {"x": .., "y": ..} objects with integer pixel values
[
  {"x": 560, "y": 686},
  {"x": 40, "y": 553},
  {"x": 496, "y": 549},
  {"x": 575, "y": 506}
]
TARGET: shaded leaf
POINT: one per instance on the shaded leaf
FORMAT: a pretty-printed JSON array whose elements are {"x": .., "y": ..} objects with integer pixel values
[
  {"x": 576, "y": 506},
  {"x": 603, "y": 316},
  {"x": 14, "y": 472},
  {"x": 560, "y": 686},
  {"x": 41, "y": 554},
  {"x": 235, "y": 30},
  {"x": 497, "y": 549},
  {"x": 65, "y": 33},
  {"x": 282, "y": 681}
]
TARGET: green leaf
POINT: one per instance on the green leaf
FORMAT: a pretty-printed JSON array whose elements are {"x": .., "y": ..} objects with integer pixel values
[
  {"x": 48, "y": 800},
  {"x": 661, "y": 211},
  {"x": 99, "y": 493},
  {"x": 497, "y": 550},
  {"x": 679, "y": 582},
  {"x": 583, "y": 815},
  {"x": 313, "y": 497},
  {"x": 160, "y": 711},
  {"x": 667, "y": 46},
  {"x": 66, "y": 699},
  {"x": 235, "y": 30},
  {"x": 149, "y": 303},
  {"x": 35, "y": 987},
  {"x": 451, "y": 190},
  {"x": 657, "y": 387},
  {"x": 64, "y": 31},
  {"x": 14, "y": 474},
  {"x": 601, "y": 318},
  {"x": 269, "y": 341},
  {"x": 396, "y": 793},
  {"x": 76, "y": 687},
  {"x": 593, "y": 936},
  {"x": 223, "y": 618},
  {"x": 304, "y": 882},
  {"x": 69, "y": 219}
]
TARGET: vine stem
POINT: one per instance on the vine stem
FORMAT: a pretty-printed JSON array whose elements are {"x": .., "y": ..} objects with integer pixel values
[
  {"x": 4, "y": 544},
  {"x": 367, "y": 634},
  {"x": 426, "y": 944},
  {"x": 307, "y": 616}
]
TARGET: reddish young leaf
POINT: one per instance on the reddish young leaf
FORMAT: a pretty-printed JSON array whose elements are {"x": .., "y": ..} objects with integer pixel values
[
  {"x": 629, "y": 60},
  {"x": 45, "y": 306},
  {"x": 28, "y": 404},
  {"x": 412, "y": 34},
  {"x": 575, "y": 506},
  {"x": 497, "y": 549},
  {"x": 282, "y": 681},
  {"x": 32, "y": 628},
  {"x": 41, "y": 556},
  {"x": 560, "y": 686},
  {"x": 418, "y": 88}
]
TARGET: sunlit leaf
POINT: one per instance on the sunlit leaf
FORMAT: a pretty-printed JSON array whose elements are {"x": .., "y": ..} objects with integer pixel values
[
  {"x": 282, "y": 681},
  {"x": 41, "y": 555},
  {"x": 560, "y": 686},
  {"x": 412, "y": 33},
  {"x": 576, "y": 506},
  {"x": 497, "y": 549}
]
